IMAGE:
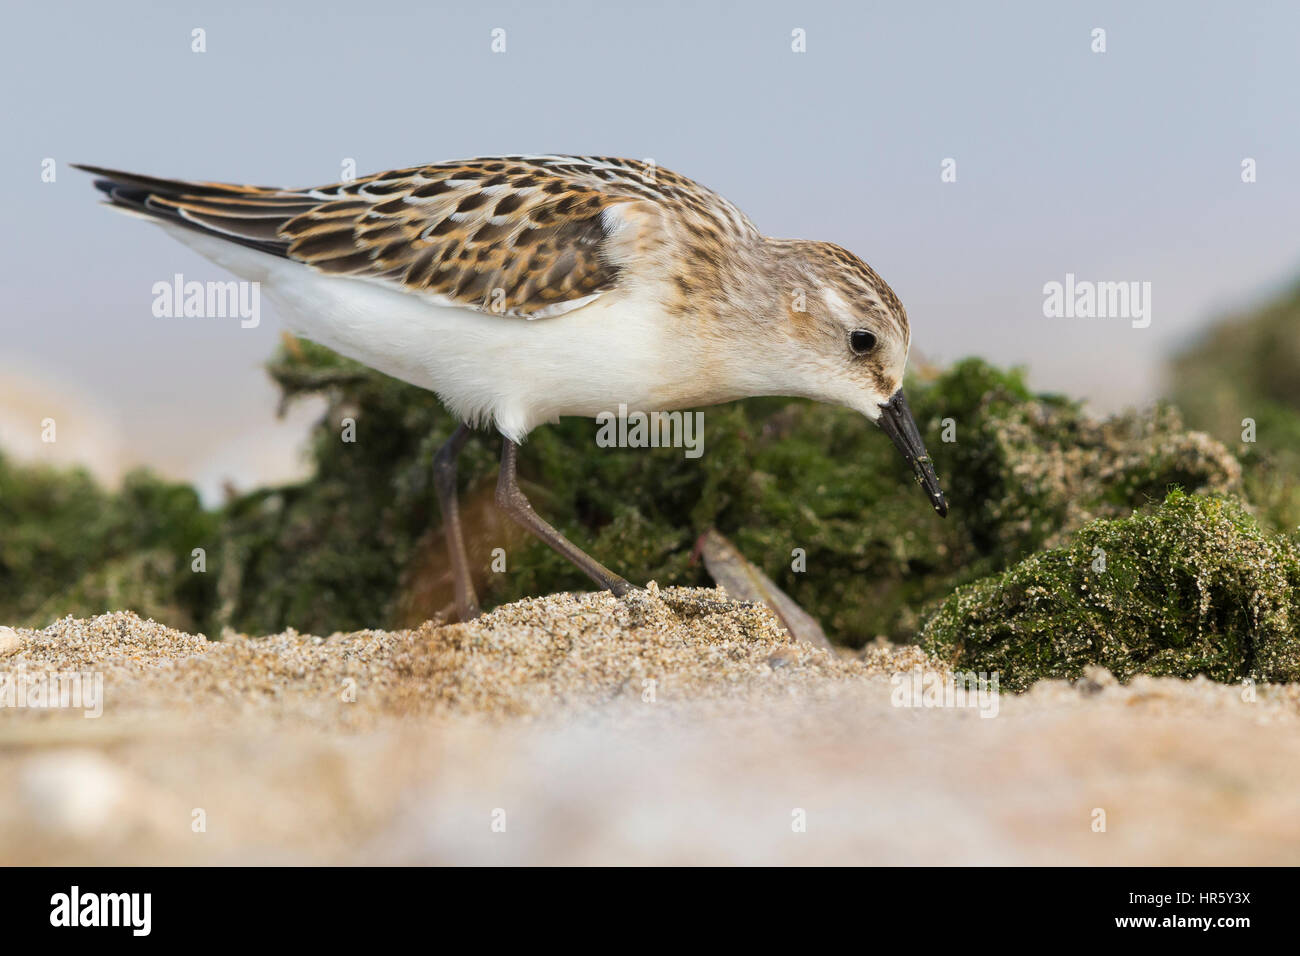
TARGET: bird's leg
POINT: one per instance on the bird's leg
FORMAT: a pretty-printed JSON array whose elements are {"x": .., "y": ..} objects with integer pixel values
[
  {"x": 512, "y": 501},
  {"x": 444, "y": 480}
]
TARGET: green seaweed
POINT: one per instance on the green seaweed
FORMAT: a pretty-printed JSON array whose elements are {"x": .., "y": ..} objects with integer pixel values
[
  {"x": 794, "y": 484},
  {"x": 1240, "y": 382},
  {"x": 816, "y": 496},
  {"x": 1191, "y": 586},
  {"x": 69, "y": 547}
]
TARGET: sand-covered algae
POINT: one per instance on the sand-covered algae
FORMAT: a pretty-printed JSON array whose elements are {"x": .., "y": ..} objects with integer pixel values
[{"x": 1192, "y": 586}]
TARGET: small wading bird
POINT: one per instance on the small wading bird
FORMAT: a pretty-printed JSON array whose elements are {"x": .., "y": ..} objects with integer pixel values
[{"x": 524, "y": 288}]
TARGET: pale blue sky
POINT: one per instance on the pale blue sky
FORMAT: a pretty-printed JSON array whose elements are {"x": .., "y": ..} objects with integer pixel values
[{"x": 1116, "y": 166}]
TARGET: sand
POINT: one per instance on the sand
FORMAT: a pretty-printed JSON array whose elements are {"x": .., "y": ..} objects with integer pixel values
[{"x": 672, "y": 727}]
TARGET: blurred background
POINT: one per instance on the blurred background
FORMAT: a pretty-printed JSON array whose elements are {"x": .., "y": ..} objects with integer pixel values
[{"x": 1120, "y": 166}]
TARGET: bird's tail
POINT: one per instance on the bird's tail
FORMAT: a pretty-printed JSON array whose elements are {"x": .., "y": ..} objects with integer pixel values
[{"x": 249, "y": 215}]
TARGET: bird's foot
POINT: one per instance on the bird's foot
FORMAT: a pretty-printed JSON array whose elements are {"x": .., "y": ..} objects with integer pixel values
[{"x": 468, "y": 611}]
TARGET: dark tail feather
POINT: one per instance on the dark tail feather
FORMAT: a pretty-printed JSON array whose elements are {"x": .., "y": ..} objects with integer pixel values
[{"x": 248, "y": 215}]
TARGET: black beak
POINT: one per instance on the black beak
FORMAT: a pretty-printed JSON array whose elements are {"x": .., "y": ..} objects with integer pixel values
[{"x": 897, "y": 422}]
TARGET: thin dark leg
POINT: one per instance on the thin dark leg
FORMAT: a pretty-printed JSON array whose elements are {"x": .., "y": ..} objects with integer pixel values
[
  {"x": 512, "y": 501},
  {"x": 444, "y": 480}
]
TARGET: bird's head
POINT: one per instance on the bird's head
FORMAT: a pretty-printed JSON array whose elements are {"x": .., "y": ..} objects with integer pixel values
[{"x": 846, "y": 340}]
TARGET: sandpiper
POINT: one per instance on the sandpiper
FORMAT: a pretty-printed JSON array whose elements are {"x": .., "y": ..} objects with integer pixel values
[{"x": 524, "y": 288}]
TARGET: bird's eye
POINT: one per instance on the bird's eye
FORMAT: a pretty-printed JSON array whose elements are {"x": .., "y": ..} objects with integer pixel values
[{"x": 862, "y": 341}]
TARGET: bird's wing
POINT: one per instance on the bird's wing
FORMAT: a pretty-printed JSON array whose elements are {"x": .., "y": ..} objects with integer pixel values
[{"x": 529, "y": 236}]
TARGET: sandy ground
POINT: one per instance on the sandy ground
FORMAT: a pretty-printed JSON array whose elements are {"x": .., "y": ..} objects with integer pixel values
[{"x": 663, "y": 728}]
